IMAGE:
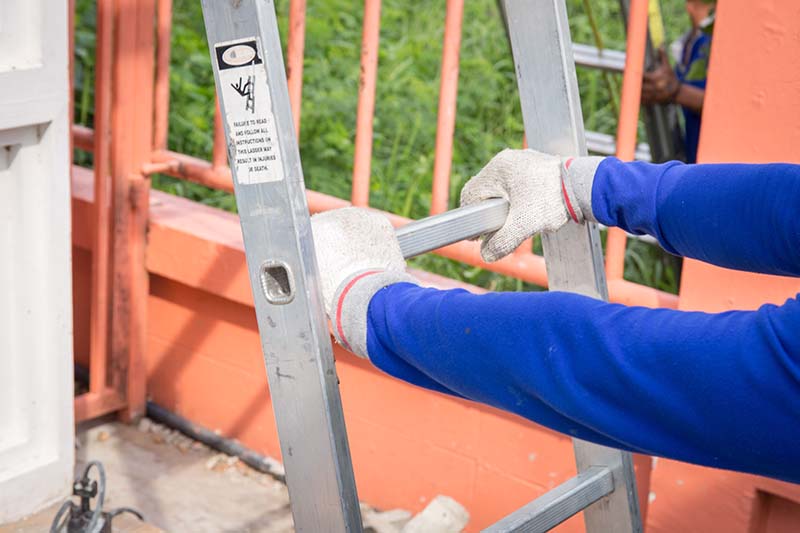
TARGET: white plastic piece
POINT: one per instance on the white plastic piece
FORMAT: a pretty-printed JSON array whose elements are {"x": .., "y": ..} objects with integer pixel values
[{"x": 442, "y": 515}]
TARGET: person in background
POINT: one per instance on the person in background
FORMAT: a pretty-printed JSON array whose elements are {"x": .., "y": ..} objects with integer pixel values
[{"x": 686, "y": 84}]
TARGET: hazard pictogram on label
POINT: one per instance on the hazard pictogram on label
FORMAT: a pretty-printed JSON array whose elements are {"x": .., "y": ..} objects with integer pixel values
[{"x": 253, "y": 147}]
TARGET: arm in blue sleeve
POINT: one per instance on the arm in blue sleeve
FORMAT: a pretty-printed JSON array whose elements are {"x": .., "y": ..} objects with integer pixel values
[
  {"x": 719, "y": 390},
  {"x": 744, "y": 217}
]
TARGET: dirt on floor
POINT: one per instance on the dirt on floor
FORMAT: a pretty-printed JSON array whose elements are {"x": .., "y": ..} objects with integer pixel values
[{"x": 180, "y": 485}]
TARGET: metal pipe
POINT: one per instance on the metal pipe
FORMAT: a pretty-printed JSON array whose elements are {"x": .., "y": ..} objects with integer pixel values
[
  {"x": 605, "y": 144},
  {"x": 227, "y": 446},
  {"x": 660, "y": 120},
  {"x": 195, "y": 170},
  {"x": 446, "y": 121},
  {"x": 630, "y": 98},
  {"x": 616, "y": 243},
  {"x": 362, "y": 162},
  {"x": 232, "y": 447},
  {"x": 219, "y": 153},
  {"x": 101, "y": 249},
  {"x": 83, "y": 138},
  {"x": 294, "y": 58},
  {"x": 628, "y": 121},
  {"x": 161, "y": 111},
  {"x": 627, "y": 127}
]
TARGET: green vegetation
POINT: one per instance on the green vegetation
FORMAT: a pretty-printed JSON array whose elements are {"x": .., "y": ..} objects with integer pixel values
[{"x": 488, "y": 115}]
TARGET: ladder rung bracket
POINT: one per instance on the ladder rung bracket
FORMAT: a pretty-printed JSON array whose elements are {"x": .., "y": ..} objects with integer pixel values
[{"x": 557, "y": 505}]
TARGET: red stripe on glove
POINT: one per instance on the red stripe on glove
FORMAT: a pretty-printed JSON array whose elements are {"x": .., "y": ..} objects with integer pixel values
[
  {"x": 341, "y": 302},
  {"x": 571, "y": 210}
]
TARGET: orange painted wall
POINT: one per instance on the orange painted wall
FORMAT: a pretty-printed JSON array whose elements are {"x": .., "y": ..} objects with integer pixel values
[
  {"x": 204, "y": 361},
  {"x": 751, "y": 115}
]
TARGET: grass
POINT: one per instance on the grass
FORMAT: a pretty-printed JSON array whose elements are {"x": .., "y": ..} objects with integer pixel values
[{"x": 488, "y": 114}]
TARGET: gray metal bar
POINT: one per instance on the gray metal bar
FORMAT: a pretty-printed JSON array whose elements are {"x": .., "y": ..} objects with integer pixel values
[
  {"x": 604, "y": 144},
  {"x": 434, "y": 232},
  {"x": 551, "y": 111},
  {"x": 591, "y": 57},
  {"x": 428, "y": 234},
  {"x": 569, "y": 498},
  {"x": 268, "y": 181},
  {"x": 647, "y": 239}
]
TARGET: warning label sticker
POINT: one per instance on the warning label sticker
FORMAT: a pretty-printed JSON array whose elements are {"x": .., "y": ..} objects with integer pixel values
[{"x": 255, "y": 155}]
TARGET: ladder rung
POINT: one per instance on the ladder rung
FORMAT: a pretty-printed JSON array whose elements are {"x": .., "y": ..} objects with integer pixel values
[
  {"x": 552, "y": 508},
  {"x": 589, "y": 56},
  {"x": 605, "y": 144},
  {"x": 432, "y": 233}
]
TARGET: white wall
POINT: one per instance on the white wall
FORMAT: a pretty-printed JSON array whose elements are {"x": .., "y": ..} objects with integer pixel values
[{"x": 36, "y": 418}]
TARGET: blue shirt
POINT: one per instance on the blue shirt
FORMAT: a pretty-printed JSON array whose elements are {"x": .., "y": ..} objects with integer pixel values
[
  {"x": 693, "y": 70},
  {"x": 720, "y": 390}
]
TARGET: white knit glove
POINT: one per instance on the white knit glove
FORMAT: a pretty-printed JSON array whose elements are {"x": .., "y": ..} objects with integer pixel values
[
  {"x": 543, "y": 191},
  {"x": 358, "y": 254}
]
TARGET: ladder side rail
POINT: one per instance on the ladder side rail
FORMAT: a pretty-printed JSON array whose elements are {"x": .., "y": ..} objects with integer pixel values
[
  {"x": 548, "y": 88},
  {"x": 283, "y": 273}
]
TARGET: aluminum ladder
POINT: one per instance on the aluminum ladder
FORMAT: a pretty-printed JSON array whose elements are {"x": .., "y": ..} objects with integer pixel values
[{"x": 270, "y": 195}]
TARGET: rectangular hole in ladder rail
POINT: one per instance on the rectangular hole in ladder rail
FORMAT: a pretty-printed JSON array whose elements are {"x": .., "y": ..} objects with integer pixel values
[{"x": 277, "y": 282}]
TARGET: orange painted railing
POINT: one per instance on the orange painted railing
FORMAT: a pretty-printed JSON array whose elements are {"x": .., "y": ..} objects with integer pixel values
[
  {"x": 626, "y": 150},
  {"x": 129, "y": 142}
]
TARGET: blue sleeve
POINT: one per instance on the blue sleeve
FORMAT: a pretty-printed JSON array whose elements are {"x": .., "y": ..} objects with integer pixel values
[
  {"x": 719, "y": 390},
  {"x": 745, "y": 217}
]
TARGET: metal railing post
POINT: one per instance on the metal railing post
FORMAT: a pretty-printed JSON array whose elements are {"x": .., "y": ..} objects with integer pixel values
[{"x": 131, "y": 147}]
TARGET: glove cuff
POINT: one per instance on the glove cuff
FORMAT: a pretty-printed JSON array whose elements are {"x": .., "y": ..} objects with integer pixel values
[
  {"x": 577, "y": 178},
  {"x": 350, "y": 304}
]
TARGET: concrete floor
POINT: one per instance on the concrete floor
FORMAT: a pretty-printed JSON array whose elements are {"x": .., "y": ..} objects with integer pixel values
[
  {"x": 40, "y": 523},
  {"x": 180, "y": 485}
]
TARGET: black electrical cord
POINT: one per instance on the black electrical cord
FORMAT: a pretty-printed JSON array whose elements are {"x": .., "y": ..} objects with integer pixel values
[
  {"x": 101, "y": 491},
  {"x": 57, "y": 524},
  {"x": 83, "y": 485},
  {"x": 249, "y": 457},
  {"x": 121, "y": 510}
]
